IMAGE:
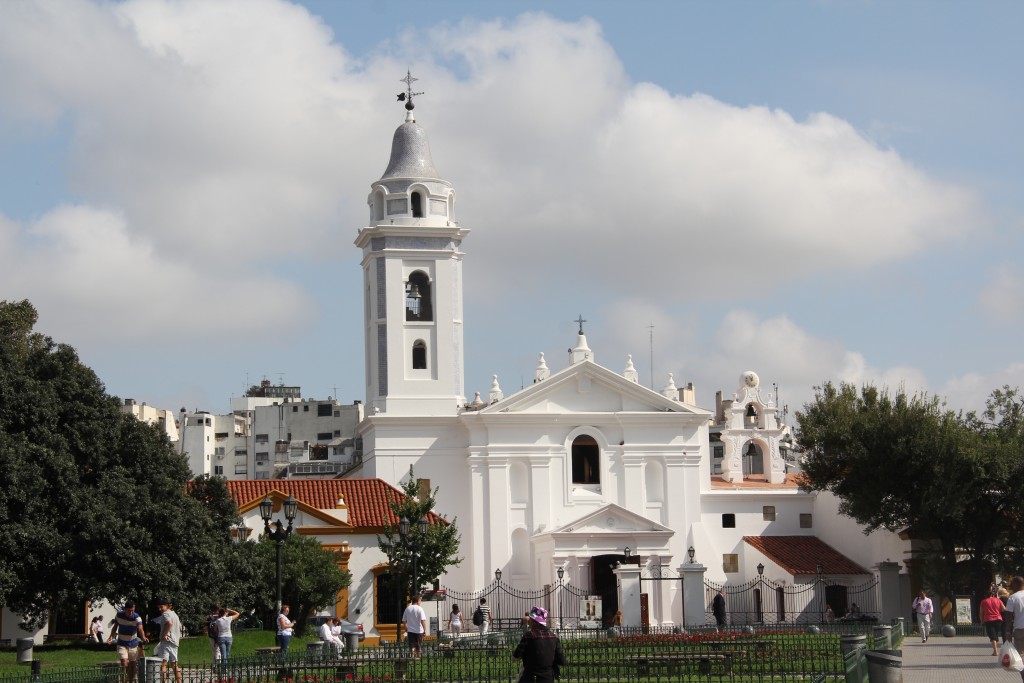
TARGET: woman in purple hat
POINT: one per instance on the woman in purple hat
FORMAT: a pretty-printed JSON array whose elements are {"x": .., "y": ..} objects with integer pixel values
[{"x": 540, "y": 650}]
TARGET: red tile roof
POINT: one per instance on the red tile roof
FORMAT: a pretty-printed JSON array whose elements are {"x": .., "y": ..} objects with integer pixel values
[
  {"x": 803, "y": 554},
  {"x": 368, "y": 500}
]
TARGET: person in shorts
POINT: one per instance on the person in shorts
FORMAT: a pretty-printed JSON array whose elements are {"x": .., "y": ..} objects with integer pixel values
[
  {"x": 1014, "y": 626},
  {"x": 415, "y": 620},
  {"x": 129, "y": 635},
  {"x": 170, "y": 636}
]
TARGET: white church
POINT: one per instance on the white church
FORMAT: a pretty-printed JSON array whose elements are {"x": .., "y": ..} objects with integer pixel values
[{"x": 560, "y": 481}]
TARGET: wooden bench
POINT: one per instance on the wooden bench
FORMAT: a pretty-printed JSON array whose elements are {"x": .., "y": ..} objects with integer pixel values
[{"x": 673, "y": 660}]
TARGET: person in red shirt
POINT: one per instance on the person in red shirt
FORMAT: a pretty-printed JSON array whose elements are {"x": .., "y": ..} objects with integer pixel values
[{"x": 991, "y": 612}]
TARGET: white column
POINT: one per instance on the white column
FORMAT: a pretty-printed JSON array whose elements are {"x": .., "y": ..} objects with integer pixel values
[
  {"x": 693, "y": 593},
  {"x": 889, "y": 591},
  {"x": 629, "y": 593}
]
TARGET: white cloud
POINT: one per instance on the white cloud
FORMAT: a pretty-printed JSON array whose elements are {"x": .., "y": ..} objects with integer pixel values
[
  {"x": 214, "y": 141},
  {"x": 970, "y": 391},
  {"x": 95, "y": 282}
]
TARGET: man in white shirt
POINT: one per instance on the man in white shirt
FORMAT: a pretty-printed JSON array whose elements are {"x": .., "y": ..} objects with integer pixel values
[
  {"x": 327, "y": 635},
  {"x": 923, "y": 607},
  {"x": 1015, "y": 606},
  {"x": 415, "y": 620}
]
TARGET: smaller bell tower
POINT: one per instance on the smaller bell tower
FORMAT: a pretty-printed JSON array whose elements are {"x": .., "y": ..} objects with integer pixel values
[{"x": 412, "y": 280}]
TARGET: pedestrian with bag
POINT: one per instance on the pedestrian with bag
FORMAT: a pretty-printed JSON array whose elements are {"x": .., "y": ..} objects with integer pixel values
[
  {"x": 482, "y": 617},
  {"x": 1015, "y": 627}
]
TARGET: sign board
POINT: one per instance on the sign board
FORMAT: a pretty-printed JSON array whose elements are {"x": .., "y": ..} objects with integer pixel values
[
  {"x": 432, "y": 595},
  {"x": 590, "y": 612},
  {"x": 963, "y": 610}
]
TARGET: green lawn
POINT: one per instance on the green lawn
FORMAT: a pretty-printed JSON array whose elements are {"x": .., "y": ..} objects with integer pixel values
[{"x": 66, "y": 654}]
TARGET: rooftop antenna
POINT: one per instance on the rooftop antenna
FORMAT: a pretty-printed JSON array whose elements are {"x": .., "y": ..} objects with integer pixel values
[
  {"x": 408, "y": 94},
  {"x": 651, "y": 332},
  {"x": 280, "y": 378}
]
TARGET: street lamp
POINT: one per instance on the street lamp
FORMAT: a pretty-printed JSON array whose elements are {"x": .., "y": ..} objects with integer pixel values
[
  {"x": 279, "y": 535},
  {"x": 409, "y": 541},
  {"x": 561, "y": 575},
  {"x": 691, "y": 552}
]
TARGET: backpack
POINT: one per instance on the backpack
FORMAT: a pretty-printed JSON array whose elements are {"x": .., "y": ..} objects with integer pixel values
[
  {"x": 478, "y": 617},
  {"x": 211, "y": 627}
]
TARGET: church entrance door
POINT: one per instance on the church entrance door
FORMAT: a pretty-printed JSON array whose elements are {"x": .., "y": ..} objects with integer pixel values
[{"x": 603, "y": 583}]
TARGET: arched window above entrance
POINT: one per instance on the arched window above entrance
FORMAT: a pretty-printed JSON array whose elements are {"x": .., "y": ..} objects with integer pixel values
[{"x": 586, "y": 460}]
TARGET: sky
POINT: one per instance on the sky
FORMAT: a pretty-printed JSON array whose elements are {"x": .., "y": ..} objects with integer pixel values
[{"x": 816, "y": 191}]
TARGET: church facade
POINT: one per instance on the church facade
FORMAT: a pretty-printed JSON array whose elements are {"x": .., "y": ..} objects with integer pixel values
[{"x": 562, "y": 480}]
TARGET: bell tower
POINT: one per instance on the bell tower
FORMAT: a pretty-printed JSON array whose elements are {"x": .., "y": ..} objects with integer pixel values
[{"x": 412, "y": 282}]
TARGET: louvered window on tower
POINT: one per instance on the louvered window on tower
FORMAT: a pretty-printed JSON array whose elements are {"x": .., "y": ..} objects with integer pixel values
[{"x": 419, "y": 355}]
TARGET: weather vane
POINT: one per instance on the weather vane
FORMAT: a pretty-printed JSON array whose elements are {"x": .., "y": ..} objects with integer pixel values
[{"x": 408, "y": 94}]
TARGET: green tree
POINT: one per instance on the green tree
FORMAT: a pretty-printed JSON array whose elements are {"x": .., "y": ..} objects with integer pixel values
[
  {"x": 435, "y": 550},
  {"x": 310, "y": 577},
  {"x": 93, "y": 501},
  {"x": 901, "y": 461}
]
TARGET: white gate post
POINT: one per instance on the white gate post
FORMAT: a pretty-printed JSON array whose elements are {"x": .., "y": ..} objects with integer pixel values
[
  {"x": 629, "y": 593},
  {"x": 693, "y": 593}
]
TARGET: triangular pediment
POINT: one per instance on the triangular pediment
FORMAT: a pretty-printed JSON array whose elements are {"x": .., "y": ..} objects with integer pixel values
[
  {"x": 587, "y": 387},
  {"x": 326, "y": 519},
  {"x": 612, "y": 519}
]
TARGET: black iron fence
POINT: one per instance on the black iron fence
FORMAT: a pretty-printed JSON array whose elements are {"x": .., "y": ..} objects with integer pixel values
[
  {"x": 823, "y": 601},
  {"x": 617, "y": 654}
]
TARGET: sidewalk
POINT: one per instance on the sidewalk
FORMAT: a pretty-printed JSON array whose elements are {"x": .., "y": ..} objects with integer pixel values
[{"x": 951, "y": 660}]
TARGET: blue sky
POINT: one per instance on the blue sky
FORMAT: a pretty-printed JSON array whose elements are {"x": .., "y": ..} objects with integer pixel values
[{"x": 811, "y": 190}]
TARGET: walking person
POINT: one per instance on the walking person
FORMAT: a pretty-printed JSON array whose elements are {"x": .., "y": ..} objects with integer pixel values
[
  {"x": 284, "y": 631},
  {"x": 1014, "y": 627},
  {"x": 924, "y": 609},
  {"x": 1004, "y": 595},
  {"x": 129, "y": 634},
  {"x": 540, "y": 650},
  {"x": 415, "y": 620},
  {"x": 211, "y": 631},
  {"x": 991, "y": 612},
  {"x": 482, "y": 617},
  {"x": 96, "y": 630},
  {"x": 455, "y": 621},
  {"x": 170, "y": 636},
  {"x": 718, "y": 609},
  {"x": 224, "y": 638}
]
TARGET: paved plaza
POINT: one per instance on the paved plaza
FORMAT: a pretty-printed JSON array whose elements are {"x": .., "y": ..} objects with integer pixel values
[{"x": 951, "y": 660}]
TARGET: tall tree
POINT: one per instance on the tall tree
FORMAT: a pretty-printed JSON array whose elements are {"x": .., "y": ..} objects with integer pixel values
[
  {"x": 430, "y": 552},
  {"x": 310, "y": 577},
  {"x": 903, "y": 461},
  {"x": 93, "y": 502}
]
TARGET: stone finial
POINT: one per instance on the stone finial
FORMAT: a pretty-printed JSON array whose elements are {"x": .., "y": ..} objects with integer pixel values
[
  {"x": 542, "y": 372},
  {"x": 478, "y": 402},
  {"x": 670, "y": 390},
  {"x": 630, "y": 372},
  {"x": 495, "y": 395}
]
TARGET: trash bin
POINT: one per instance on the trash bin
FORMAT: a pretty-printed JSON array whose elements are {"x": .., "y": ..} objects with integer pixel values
[
  {"x": 883, "y": 637},
  {"x": 885, "y": 666},
  {"x": 25, "y": 650},
  {"x": 850, "y": 643},
  {"x": 351, "y": 642},
  {"x": 149, "y": 669}
]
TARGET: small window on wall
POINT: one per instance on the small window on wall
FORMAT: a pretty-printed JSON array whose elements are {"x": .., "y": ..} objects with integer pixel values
[
  {"x": 806, "y": 520},
  {"x": 718, "y": 454},
  {"x": 729, "y": 520},
  {"x": 419, "y": 355},
  {"x": 586, "y": 456},
  {"x": 417, "y": 205},
  {"x": 768, "y": 511},
  {"x": 730, "y": 563}
]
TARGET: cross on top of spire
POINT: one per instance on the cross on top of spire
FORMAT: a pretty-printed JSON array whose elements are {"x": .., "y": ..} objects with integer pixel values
[
  {"x": 580, "y": 320},
  {"x": 408, "y": 94}
]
